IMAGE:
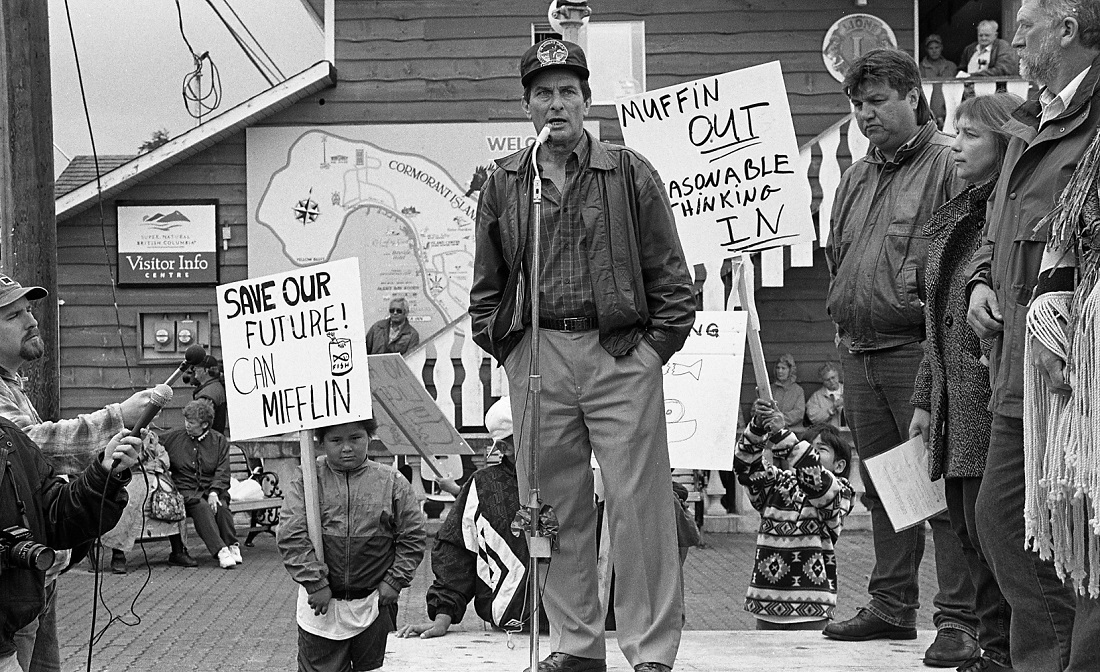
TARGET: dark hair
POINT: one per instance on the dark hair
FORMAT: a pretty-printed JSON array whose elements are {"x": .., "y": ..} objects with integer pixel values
[
  {"x": 990, "y": 113},
  {"x": 370, "y": 424},
  {"x": 586, "y": 89},
  {"x": 1087, "y": 13},
  {"x": 892, "y": 67},
  {"x": 830, "y": 436}
]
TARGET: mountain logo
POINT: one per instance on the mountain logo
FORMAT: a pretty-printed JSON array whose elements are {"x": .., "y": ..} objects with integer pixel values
[{"x": 165, "y": 222}]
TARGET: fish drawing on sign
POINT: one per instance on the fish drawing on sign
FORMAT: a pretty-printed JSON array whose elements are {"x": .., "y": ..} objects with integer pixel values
[
  {"x": 678, "y": 428},
  {"x": 677, "y": 369}
]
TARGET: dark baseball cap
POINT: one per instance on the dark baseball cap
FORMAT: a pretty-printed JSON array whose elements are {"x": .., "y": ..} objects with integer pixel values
[
  {"x": 11, "y": 291},
  {"x": 552, "y": 54},
  {"x": 209, "y": 361}
]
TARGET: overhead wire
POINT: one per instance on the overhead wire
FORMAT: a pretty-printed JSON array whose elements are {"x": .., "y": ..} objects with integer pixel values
[
  {"x": 193, "y": 95},
  {"x": 268, "y": 68}
]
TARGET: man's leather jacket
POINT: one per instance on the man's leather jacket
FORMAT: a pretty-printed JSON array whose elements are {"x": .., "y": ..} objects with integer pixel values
[{"x": 640, "y": 279}]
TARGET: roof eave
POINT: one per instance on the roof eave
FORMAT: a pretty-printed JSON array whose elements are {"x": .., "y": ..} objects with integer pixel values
[{"x": 319, "y": 76}]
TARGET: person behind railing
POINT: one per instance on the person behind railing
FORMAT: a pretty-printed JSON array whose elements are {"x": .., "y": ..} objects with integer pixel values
[
  {"x": 989, "y": 57},
  {"x": 393, "y": 333},
  {"x": 826, "y": 404},
  {"x": 789, "y": 396},
  {"x": 951, "y": 392},
  {"x": 935, "y": 66}
]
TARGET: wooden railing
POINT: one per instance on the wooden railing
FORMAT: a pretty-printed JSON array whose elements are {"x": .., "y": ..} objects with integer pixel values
[{"x": 953, "y": 90}]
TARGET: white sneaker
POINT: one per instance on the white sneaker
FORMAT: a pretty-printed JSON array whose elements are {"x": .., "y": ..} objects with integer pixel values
[
  {"x": 225, "y": 558},
  {"x": 235, "y": 549}
]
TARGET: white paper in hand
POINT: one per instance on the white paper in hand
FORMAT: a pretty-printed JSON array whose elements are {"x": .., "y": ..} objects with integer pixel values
[{"x": 900, "y": 476}]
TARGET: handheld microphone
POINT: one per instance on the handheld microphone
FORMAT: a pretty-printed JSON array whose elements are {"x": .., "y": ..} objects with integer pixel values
[
  {"x": 158, "y": 399},
  {"x": 192, "y": 357},
  {"x": 543, "y": 135}
]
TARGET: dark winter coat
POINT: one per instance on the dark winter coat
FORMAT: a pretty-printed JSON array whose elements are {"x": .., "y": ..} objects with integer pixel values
[
  {"x": 58, "y": 514},
  {"x": 952, "y": 383}
]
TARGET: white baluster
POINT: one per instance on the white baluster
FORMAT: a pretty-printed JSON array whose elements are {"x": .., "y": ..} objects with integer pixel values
[
  {"x": 985, "y": 88},
  {"x": 927, "y": 88},
  {"x": 498, "y": 379},
  {"x": 416, "y": 361},
  {"x": 473, "y": 392},
  {"x": 714, "y": 292},
  {"x": 443, "y": 375},
  {"x": 802, "y": 255},
  {"x": 771, "y": 267},
  {"x": 952, "y": 96},
  {"x": 857, "y": 142},
  {"x": 1019, "y": 88},
  {"x": 828, "y": 175}
]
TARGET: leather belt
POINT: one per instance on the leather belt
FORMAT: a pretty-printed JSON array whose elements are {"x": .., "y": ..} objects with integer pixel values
[{"x": 569, "y": 323}]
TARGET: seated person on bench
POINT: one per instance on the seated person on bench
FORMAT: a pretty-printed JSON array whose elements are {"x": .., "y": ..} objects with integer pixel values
[{"x": 199, "y": 461}]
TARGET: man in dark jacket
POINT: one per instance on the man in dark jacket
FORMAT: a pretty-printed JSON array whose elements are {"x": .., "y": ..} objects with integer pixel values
[
  {"x": 207, "y": 378},
  {"x": 57, "y": 514},
  {"x": 393, "y": 333},
  {"x": 990, "y": 56},
  {"x": 616, "y": 303},
  {"x": 1059, "y": 45},
  {"x": 876, "y": 253}
]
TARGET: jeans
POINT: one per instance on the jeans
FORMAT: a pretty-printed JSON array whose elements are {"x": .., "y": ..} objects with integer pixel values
[
  {"x": 37, "y": 644},
  {"x": 994, "y": 614},
  {"x": 877, "y": 389},
  {"x": 1041, "y": 627},
  {"x": 1085, "y": 654},
  {"x": 215, "y": 529}
]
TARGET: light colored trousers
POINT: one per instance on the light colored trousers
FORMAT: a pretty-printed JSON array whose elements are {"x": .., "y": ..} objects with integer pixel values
[{"x": 593, "y": 403}]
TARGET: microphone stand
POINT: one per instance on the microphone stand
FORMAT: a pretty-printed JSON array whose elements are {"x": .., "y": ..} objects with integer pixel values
[{"x": 538, "y": 541}]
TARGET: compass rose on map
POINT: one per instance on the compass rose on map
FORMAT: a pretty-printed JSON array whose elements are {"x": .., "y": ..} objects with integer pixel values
[{"x": 307, "y": 210}]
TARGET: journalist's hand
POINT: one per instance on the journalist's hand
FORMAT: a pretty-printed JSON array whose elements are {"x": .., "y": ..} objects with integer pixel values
[
  {"x": 125, "y": 449},
  {"x": 984, "y": 314},
  {"x": 133, "y": 407}
]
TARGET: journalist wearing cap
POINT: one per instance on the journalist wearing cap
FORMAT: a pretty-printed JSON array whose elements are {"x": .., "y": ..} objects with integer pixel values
[
  {"x": 616, "y": 303},
  {"x": 70, "y": 445}
]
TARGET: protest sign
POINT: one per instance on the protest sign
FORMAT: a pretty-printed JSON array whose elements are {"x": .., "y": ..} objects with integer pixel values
[
  {"x": 409, "y": 421},
  {"x": 702, "y": 391},
  {"x": 901, "y": 478},
  {"x": 726, "y": 150},
  {"x": 294, "y": 348}
]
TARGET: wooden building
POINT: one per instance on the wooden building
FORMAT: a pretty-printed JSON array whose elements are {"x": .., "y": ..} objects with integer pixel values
[{"x": 436, "y": 61}]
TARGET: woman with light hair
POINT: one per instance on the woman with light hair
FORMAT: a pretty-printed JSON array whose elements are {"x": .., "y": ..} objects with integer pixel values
[{"x": 790, "y": 398}]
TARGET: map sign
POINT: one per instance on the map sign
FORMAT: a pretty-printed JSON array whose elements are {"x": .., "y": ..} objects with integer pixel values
[
  {"x": 702, "y": 384},
  {"x": 727, "y": 152},
  {"x": 401, "y": 198},
  {"x": 294, "y": 349}
]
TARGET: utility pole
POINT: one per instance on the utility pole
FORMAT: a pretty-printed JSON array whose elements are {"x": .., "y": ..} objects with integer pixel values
[{"x": 28, "y": 239}]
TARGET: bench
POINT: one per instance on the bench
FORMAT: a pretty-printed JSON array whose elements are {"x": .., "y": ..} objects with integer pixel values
[{"x": 263, "y": 513}]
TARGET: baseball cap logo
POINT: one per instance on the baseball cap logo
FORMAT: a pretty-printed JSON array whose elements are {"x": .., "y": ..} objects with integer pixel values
[
  {"x": 5, "y": 281},
  {"x": 552, "y": 52}
]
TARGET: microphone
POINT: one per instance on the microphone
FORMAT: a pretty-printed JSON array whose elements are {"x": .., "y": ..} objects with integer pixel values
[
  {"x": 542, "y": 136},
  {"x": 193, "y": 356},
  {"x": 158, "y": 399}
]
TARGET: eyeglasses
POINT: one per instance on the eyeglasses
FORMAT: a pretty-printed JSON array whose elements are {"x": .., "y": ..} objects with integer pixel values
[{"x": 396, "y": 311}]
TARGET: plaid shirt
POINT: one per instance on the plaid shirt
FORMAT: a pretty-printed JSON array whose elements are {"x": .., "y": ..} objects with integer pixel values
[
  {"x": 70, "y": 445},
  {"x": 565, "y": 285}
]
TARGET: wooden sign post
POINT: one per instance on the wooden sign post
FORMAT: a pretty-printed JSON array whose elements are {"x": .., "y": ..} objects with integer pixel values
[{"x": 743, "y": 277}]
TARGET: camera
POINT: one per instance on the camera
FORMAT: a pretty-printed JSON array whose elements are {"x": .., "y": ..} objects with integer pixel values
[{"x": 19, "y": 551}]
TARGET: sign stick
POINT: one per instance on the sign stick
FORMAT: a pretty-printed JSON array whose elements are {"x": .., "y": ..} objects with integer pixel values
[
  {"x": 310, "y": 492},
  {"x": 743, "y": 270}
]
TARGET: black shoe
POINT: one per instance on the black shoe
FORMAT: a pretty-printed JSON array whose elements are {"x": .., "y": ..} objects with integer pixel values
[
  {"x": 952, "y": 648},
  {"x": 864, "y": 626},
  {"x": 182, "y": 559},
  {"x": 118, "y": 561},
  {"x": 563, "y": 662},
  {"x": 982, "y": 664}
]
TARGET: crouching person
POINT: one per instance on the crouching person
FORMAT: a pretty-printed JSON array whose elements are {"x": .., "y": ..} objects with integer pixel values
[
  {"x": 40, "y": 513},
  {"x": 373, "y": 536}
]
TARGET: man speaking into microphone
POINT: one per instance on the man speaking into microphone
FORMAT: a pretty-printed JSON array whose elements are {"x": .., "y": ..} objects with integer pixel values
[
  {"x": 616, "y": 303},
  {"x": 71, "y": 445}
]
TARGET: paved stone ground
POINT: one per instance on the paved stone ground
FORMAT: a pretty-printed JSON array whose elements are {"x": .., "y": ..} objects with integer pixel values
[{"x": 209, "y": 619}]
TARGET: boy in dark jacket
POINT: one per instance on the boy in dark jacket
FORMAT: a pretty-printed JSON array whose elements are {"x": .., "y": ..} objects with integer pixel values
[
  {"x": 56, "y": 514},
  {"x": 373, "y": 535}
]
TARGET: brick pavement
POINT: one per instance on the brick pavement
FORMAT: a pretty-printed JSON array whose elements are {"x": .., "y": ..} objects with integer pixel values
[{"x": 209, "y": 619}]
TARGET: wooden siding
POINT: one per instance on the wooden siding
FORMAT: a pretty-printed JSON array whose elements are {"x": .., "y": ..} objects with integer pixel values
[{"x": 404, "y": 61}]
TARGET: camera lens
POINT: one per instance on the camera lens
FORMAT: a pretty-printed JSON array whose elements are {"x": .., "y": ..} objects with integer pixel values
[{"x": 30, "y": 555}]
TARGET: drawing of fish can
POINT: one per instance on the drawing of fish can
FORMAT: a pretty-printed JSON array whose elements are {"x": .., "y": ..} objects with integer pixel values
[{"x": 339, "y": 354}]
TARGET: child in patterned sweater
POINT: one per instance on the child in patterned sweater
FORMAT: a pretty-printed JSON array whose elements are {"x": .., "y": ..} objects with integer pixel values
[{"x": 802, "y": 495}]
